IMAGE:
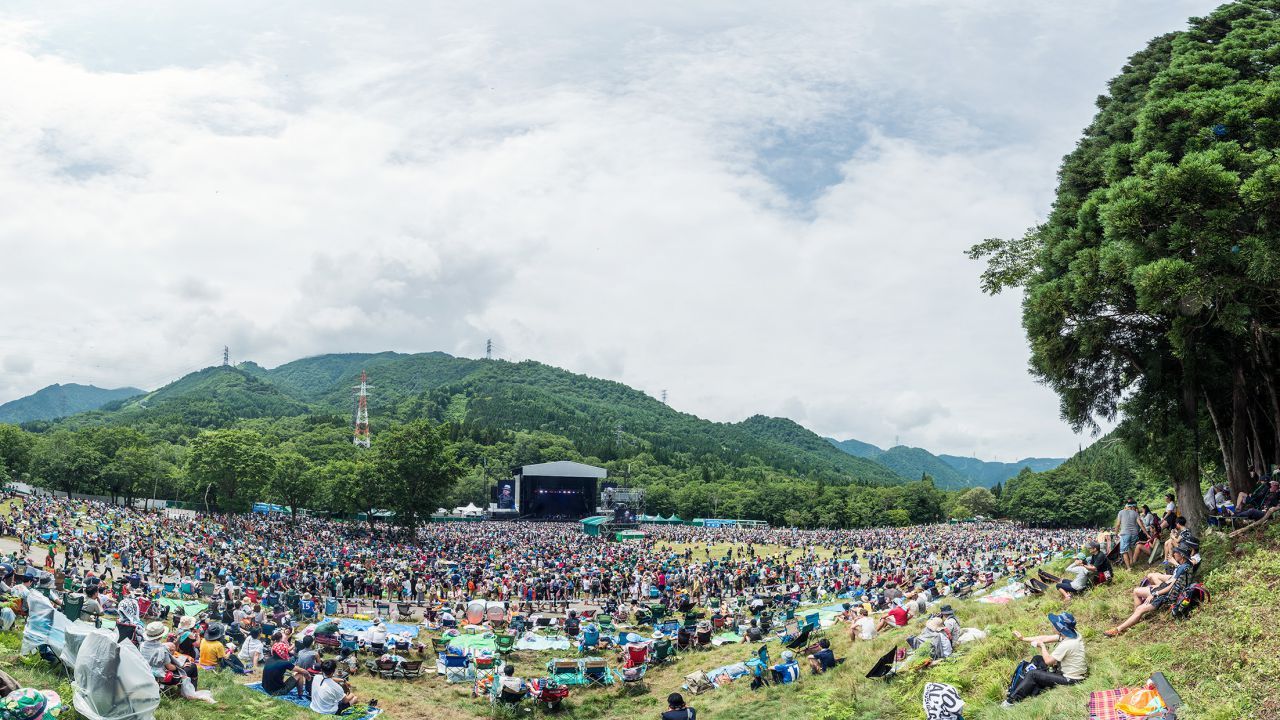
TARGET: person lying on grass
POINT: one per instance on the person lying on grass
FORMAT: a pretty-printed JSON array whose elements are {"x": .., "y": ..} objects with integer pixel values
[
  {"x": 1067, "y": 657},
  {"x": 1150, "y": 598}
]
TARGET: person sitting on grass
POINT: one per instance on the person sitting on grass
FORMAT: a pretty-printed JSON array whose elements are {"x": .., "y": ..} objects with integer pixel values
[
  {"x": 677, "y": 710},
  {"x": 897, "y": 617},
  {"x": 329, "y": 696},
  {"x": 787, "y": 671},
  {"x": 1078, "y": 571},
  {"x": 1067, "y": 657},
  {"x": 862, "y": 628},
  {"x": 1150, "y": 598},
  {"x": 824, "y": 659},
  {"x": 168, "y": 669},
  {"x": 278, "y": 678}
]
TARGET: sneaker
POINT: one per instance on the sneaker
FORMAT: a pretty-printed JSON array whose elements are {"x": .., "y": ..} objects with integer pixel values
[{"x": 1006, "y": 703}]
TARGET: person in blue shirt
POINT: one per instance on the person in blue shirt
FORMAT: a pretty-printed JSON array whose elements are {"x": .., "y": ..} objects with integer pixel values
[
  {"x": 787, "y": 671},
  {"x": 824, "y": 659}
]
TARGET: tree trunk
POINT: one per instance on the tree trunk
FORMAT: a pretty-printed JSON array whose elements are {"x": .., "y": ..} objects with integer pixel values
[
  {"x": 1186, "y": 470},
  {"x": 1237, "y": 472}
]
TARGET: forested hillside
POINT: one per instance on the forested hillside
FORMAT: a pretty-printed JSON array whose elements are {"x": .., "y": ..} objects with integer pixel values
[
  {"x": 228, "y": 436},
  {"x": 948, "y": 471},
  {"x": 58, "y": 401}
]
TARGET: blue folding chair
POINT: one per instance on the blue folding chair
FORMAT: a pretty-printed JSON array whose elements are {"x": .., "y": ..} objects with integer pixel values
[
  {"x": 812, "y": 621},
  {"x": 456, "y": 668},
  {"x": 759, "y": 665}
]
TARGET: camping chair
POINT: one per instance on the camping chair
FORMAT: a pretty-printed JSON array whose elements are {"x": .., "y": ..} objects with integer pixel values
[
  {"x": 383, "y": 668},
  {"x": 606, "y": 624},
  {"x": 801, "y": 640},
  {"x": 717, "y": 623},
  {"x": 636, "y": 655},
  {"x": 345, "y": 642},
  {"x": 633, "y": 678},
  {"x": 457, "y": 668},
  {"x": 404, "y": 611},
  {"x": 409, "y": 669},
  {"x": 439, "y": 644},
  {"x": 790, "y": 631},
  {"x": 351, "y": 607},
  {"x": 883, "y": 668},
  {"x": 812, "y": 621},
  {"x": 505, "y": 643},
  {"x": 759, "y": 666},
  {"x": 596, "y": 671},
  {"x": 509, "y": 697},
  {"x": 669, "y": 628},
  {"x": 663, "y": 650},
  {"x": 566, "y": 672},
  {"x": 1167, "y": 694},
  {"x": 206, "y": 589},
  {"x": 71, "y": 606},
  {"x": 657, "y": 611}
]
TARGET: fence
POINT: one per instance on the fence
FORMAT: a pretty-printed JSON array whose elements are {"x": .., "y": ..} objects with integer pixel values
[{"x": 144, "y": 503}]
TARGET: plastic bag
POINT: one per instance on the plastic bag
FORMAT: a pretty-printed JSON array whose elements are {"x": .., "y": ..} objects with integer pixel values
[{"x": 1140, "y": 703}]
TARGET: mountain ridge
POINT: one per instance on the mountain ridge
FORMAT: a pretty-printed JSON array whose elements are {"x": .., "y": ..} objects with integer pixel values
[{"x": 62, "y": 400}]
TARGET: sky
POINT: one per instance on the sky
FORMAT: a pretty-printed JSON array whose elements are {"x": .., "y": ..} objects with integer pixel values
[{"x": 759, "y": 207}]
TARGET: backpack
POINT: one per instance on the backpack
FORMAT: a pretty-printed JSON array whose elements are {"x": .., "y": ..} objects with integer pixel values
[
  {"x": 1189, "y": 600},
  {"x": 1023, "y": 668}
]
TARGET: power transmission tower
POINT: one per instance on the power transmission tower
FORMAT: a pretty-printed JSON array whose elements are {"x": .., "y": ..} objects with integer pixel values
[
  {"x": 226, "y": 355},
  {"x": 664, "y": 396},
  {"x": 488, "y": 349},
  {"x": 362, "y": 411}
]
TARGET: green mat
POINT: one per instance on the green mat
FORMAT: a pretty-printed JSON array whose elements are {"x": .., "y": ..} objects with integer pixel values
[
  {"x": 474, "y": 643},
  {"x": 188, "y": 607}
]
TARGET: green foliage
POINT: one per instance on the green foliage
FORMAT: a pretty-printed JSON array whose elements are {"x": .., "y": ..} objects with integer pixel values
[
  {"x": 913, "y": 463},
  {"x": 1152, "y": 287},
  {"x": 418, "y": 470},
  {"x": 228, "y": 469}
]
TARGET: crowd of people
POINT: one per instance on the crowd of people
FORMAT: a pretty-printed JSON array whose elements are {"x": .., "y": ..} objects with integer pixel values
[{"x": 888, "y": 577}]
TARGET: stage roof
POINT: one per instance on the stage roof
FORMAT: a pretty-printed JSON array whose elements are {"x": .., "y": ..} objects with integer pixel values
[{"x": 563, "y": 468}]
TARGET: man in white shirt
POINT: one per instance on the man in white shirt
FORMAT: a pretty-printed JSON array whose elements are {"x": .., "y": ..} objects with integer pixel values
[
  {"x": 328, "y": 696},
  {"x": 1067, "y": 655},
  {"x": 378, "y": 633}
]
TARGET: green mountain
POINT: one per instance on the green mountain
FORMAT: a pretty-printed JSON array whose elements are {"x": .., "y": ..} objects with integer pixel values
[
  {"x": 988, "y": 474},
  {"x": 602, "y": 419},
  {"x": 911, "y": 463},
  {"x": 58, "y": 401},
  {"x": 949, "y": 472},
  {"x": 212, "y": 397},
  {"x": 857, "y": 448}
]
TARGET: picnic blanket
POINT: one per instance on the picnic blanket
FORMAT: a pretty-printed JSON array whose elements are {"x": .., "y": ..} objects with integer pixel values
[
  {"x": 722, "y": 676},
  {"x": 293, "y": 699},
  {"x": 726, "y": 638},
  {"x": 349, "y": 625},
  {"x": 1004, "y": 595},
  {"x": 1102, "y": 704},
  {"x": 472, "y": 645},
  {"x": 188, "y": 607},
  {"x": 532, "y": 641}
]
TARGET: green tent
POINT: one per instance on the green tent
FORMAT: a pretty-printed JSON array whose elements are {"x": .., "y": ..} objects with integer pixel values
[{"x": 591, "y": 525}]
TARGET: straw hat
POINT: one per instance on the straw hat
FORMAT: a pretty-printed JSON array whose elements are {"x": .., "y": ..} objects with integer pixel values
[
  {"x": 934, "y": 624},
  {"x": 187, "y": 622},
  {"x": 155, "y": 631}
]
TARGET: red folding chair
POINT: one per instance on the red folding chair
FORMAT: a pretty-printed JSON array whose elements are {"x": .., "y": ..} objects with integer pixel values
[{"x": 637, "y": 655}]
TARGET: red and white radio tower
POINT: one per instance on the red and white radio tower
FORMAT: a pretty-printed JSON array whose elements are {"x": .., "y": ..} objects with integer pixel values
[{"x": 362, "y": 411}]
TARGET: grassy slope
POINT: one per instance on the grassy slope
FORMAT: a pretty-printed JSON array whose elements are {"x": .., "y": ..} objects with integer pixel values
[{"x": 1223, "y": 661}]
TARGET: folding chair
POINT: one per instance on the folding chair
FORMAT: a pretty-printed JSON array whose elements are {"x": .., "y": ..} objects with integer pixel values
[
  {"x": 382, "y": 668},
  {"x": 801, "y": 640},
  {"x": 663, "y": 650},
  {"x": 636, "y": 655},
  {"x": 759, "y": 666},
  {"x": 596, "y": 671},
  {"x": 404, "y": 611},
  {"x": 566, "y": 672},
  {"x": 812, "y": 621},
  {"x": 410, "y": 669},
  {"x": 504, "y": 643},
  {"x": 457, "y": 668}
]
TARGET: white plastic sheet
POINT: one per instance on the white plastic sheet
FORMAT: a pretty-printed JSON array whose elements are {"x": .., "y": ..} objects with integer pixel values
[
  {"x": 45, "y": 625},
  {"x": 113, "y": 681}
]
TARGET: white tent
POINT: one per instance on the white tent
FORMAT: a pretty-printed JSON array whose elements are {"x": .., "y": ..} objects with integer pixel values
[{"x": 470, "y": 509}]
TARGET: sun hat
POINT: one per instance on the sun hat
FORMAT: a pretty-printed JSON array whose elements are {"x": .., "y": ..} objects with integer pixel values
[
  {"x": 934, "y": 624},
  {"x": 1065, "y": 624},
  {"x": 946, "y": 611},
  {"x": 187, "y": 622},
  {"x": 214, "y": 632},
  {"x": 1081, "y": 556},
  {"x": 31, "y": 704},
  {"x": 788, "y": 655},
  {"x": 155, "y": 631}
]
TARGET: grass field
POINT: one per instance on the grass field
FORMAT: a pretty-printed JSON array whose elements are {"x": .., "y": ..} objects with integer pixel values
[{"x": 1223, "y": 661}]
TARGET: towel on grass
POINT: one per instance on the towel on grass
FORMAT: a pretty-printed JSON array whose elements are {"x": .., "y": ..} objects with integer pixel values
[
  {"x": 293, "y": 699},
  {"x": 531, "y": 641},
  {"x": 349, "y": 625}
]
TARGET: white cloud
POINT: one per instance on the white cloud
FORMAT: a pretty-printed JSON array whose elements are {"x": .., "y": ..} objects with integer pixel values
[{"x": 758, "y": 207}]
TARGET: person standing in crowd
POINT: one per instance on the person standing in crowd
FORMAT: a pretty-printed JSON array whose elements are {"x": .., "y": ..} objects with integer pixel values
[{"x": 1129, "y": 528}]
